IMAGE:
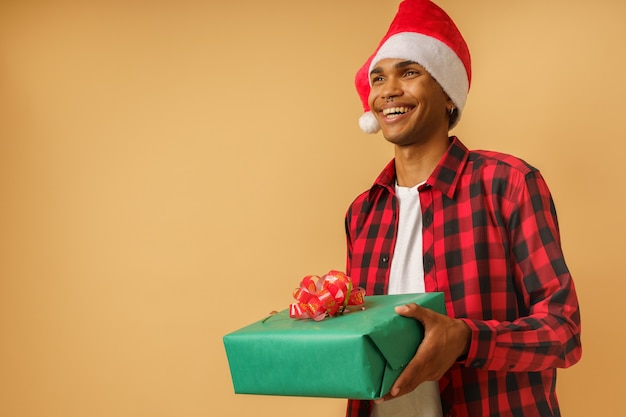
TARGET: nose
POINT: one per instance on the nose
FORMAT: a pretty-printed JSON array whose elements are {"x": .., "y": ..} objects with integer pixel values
[{"x": 391, "y": 89}]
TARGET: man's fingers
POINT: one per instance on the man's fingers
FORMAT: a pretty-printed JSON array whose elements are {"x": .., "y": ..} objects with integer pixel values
[
  {"x": 443, "y": 342},
  {"x": 395, "y": 391},
  {"x": 390, "y": 395},
  {"x": 406, "y": 382}
]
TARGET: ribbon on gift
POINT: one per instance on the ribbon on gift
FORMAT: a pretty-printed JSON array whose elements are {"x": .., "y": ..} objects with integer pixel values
[{"x": 318, "y": 297}]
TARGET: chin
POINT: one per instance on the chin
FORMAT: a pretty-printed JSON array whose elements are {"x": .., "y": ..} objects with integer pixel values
[{"x": 395, "y": 136}]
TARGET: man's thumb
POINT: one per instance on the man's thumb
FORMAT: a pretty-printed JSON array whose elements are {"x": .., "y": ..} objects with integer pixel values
[{"x": 410, "y": 310}]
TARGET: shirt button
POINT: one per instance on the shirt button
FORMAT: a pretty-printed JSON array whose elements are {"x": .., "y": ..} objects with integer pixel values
[
  {"x": 384, "y": 259},
  {"x": 428, "y": 218},
  {"x": 428, "y": 262}
]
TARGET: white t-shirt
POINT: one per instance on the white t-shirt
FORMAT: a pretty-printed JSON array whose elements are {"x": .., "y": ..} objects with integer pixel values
[
  {"x": 407, "y": 277},
  {"x": 407, "y": 266}
]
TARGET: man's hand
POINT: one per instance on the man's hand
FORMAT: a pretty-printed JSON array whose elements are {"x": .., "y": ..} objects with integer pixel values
[{"x": 445, "y": 340}]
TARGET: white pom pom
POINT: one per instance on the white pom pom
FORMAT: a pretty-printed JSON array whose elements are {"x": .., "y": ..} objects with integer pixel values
[{"x": 368, "y": 123}]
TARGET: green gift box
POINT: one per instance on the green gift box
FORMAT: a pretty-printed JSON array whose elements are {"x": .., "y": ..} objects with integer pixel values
[{"x": 356, "y": 355}]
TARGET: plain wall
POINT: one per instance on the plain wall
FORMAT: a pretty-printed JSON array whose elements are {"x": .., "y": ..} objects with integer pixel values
[{"x": 171, "y": 169}]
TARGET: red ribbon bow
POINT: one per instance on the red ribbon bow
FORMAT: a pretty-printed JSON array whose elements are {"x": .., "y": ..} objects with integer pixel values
[{"x": 318, "y": 297}]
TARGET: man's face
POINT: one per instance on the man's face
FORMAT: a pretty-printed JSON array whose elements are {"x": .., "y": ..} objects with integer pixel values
[{"x": 408, "y": 102}]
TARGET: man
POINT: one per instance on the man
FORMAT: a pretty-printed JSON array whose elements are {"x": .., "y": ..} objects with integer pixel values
[{"x": 479, "y": 226}]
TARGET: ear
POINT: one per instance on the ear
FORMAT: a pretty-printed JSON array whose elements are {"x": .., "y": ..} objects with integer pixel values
[
  {"x": 449, "y": 103},
  {"x": 453, "y": 115}
]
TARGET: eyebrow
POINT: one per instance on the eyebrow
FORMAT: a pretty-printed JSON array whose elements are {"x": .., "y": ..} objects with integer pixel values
[{"x": 379, "y": 70}]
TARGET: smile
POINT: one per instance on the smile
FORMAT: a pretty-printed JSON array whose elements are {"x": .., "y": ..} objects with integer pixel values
[{"x": 393, "y": 112}]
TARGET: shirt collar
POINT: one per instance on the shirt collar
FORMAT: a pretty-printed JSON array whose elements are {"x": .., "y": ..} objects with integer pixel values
[
  {"x": 447, "y": 174},
  {"x": 445, "y": 177}
]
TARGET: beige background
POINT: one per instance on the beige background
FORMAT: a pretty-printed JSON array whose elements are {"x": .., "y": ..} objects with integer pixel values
[{"x": 170, "y": 169}]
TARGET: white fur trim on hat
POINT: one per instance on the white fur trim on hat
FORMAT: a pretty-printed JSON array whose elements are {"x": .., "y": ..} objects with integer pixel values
[{"x": 435, "y": 56}]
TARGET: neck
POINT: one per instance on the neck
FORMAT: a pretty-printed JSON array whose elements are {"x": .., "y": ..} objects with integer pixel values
[{"x": 415, "y": 163}]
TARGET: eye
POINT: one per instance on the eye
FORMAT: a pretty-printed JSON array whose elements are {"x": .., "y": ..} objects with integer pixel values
[
  {"x": 377, "y": 79},
  {"x": 411, "y": 73}
]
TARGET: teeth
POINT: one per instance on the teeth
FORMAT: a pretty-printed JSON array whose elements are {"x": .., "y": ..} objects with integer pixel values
[{"x": 395, "y": 111}]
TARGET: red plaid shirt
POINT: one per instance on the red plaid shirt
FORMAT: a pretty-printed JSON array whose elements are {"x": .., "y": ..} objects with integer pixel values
[{"x": 491, "y": 244}]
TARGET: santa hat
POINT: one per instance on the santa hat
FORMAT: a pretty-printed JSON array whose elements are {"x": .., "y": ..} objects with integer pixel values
[{"x": 421, "y": 32}]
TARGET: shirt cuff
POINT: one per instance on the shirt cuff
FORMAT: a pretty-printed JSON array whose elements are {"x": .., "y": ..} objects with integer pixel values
[{"x": 482, "y": 344}]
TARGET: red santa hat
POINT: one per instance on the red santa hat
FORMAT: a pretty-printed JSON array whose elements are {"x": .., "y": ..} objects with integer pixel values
[{"x": 422, "y": 32}]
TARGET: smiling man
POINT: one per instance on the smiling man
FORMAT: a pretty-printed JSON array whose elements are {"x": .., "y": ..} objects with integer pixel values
[{"x": 479, "y": 226}]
